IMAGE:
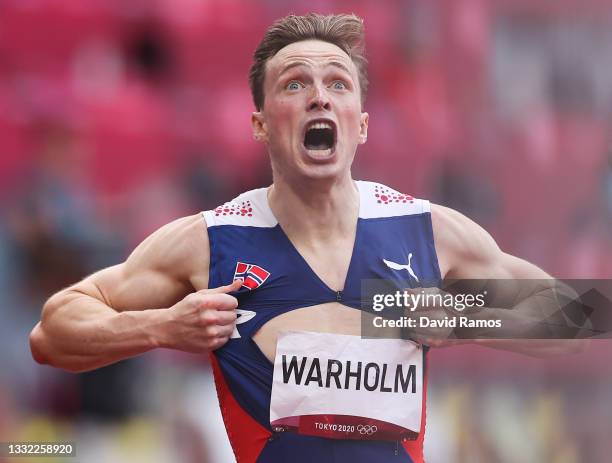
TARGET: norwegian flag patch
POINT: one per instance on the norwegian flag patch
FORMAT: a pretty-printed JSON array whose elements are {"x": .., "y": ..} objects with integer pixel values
[{"x": 253, "y": 276}]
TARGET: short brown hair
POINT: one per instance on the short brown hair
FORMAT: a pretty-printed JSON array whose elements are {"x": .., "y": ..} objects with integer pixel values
[{"x": 343, "y": 30}]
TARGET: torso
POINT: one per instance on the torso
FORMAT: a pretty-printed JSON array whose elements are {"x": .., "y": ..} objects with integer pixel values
[
  {"x": 325, "y": 318},
  {"x": 331, "y": 265},
  {"x": 294, "y": 287},
  {"x": 330, "y": 262}
]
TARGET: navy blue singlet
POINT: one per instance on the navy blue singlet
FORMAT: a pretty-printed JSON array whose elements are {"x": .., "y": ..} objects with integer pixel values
[{"x": 246, "y": 241}]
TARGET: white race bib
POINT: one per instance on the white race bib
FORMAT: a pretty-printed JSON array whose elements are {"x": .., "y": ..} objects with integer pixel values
[{"x": 346, "y": 387}]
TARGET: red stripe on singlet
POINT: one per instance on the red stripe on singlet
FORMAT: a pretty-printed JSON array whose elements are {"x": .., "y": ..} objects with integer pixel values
[
  {"x": 415, "y": 447},
  {"x": 247, "y": 437}
]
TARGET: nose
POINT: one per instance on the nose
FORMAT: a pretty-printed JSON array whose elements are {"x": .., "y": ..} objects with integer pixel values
[{"x": 319, "y": 99}]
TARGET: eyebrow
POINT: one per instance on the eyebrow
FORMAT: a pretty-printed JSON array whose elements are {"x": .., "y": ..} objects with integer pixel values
[{"x": 337, "y": 64}]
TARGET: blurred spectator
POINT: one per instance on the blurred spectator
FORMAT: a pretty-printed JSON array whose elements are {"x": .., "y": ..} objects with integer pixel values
[{"x": 458, "y": 185}]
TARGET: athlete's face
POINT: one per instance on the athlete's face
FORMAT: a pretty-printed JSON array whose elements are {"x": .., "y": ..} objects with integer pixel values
[{"x": 311, "y": 119}]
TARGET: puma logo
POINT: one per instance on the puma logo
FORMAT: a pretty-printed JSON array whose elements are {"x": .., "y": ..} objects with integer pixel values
[{"x": 407, "y": 267}]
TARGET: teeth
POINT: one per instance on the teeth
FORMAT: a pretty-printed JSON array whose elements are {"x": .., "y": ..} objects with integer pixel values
[
  {"x": 320, "y": 153},
  {"x": 320, "y": 125}
]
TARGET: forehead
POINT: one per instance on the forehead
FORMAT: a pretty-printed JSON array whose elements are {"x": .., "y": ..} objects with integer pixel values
[{"x": 312, "y": 53}]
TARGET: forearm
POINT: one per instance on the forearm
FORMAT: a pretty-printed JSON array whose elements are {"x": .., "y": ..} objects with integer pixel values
[
  {"x": 523, "y": 331},
  {"x": 549, "y": 322},
  {"x": 78, "y": 333}
]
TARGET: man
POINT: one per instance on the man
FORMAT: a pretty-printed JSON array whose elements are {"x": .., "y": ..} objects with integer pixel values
[{"x": 288, "y": 260}]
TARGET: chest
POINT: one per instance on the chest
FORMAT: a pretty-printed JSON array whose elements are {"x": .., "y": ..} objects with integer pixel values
[
  {"x": 329, "y": 261},
  {"x": 326, "y": 281}
]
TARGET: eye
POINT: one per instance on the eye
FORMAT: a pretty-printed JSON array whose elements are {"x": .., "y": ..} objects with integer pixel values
[
  {"x": 294, "y": 85},
  {"x": 339, "y": 85}
]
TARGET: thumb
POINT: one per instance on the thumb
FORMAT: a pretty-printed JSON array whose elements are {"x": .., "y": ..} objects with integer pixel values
[{"x": 234, "y": 286}]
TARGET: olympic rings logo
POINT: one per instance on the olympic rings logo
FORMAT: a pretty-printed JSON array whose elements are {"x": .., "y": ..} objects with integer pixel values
[{"x": 366, "y": 429}]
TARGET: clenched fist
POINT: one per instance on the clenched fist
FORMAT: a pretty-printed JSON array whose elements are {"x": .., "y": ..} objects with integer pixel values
[{"x": 202, "y": 321}]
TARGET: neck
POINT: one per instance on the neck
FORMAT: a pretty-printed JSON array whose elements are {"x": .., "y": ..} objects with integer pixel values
[{"x": 315, "y": 210}]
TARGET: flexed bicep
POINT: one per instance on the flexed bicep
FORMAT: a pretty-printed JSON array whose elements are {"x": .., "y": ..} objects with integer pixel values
[
  {"x": 163, "y": 269},
  {"x": 122, "y": 311}
]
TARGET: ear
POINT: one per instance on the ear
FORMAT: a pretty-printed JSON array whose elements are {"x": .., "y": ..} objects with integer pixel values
[
  {"x": 363, "y": 128},
  {"x": 258, "y": 125}
]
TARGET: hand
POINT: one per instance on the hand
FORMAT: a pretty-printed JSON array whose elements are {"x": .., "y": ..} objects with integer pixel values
[
  {"x": 202, "y": 321},
  {"x": 434, "y": 320}
]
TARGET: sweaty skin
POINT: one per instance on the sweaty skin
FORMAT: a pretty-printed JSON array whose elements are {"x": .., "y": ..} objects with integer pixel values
[{"x": 159, "y": 296}]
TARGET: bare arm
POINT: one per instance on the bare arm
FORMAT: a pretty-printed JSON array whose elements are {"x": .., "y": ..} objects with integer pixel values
[
  {"x": 467, "y": 251},
  {"x": 146, "y": 302}
]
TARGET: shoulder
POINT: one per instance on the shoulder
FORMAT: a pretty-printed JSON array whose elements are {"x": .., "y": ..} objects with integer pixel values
[
  {"x": 180, "y": 236},
  {"x": 466, "y": 250},
  {"x": 460, "y": 241},
  {"x": 179, "y": 248}
]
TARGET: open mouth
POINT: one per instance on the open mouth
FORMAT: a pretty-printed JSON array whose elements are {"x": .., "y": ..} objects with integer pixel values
[{"x": 320, "y": 137}]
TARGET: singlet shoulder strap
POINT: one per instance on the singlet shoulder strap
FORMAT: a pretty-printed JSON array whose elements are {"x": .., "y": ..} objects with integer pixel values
[
  {"x": 250, "y": 209},
  {"x": 378, "y": 201}
]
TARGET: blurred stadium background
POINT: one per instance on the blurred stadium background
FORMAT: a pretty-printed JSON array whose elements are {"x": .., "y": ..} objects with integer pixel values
[{"x": 116, "y": 117}]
